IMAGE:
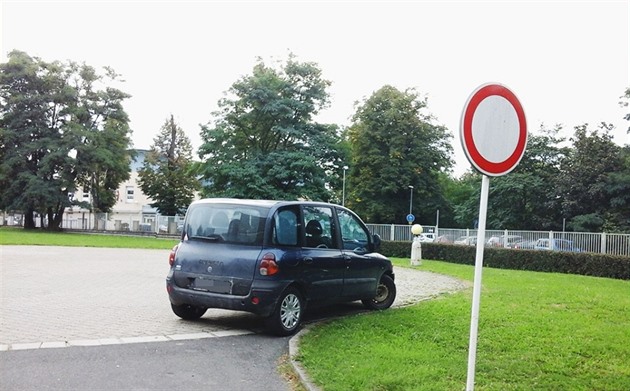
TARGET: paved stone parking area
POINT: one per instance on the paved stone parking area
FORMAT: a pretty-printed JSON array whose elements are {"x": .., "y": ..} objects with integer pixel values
[{"x": 53, "y": 297}]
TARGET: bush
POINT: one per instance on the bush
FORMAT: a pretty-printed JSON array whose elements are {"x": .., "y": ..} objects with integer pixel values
[{"x": 588, "y": 264}]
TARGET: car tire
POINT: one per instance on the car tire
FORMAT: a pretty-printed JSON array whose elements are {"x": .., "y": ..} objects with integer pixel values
[
  {"x": 188, "y": 312},
  {"x": 287, "y": 316},
  {"x": 385, "y": 294}
]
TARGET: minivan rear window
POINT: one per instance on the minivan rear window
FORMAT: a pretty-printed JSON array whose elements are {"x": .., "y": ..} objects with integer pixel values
[{"x": 241, "y": 224}]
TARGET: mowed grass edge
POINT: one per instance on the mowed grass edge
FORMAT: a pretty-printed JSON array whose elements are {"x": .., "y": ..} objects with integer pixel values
[
  {"x": 37, "y": 237},
  {"x": 537, "y": 331}
]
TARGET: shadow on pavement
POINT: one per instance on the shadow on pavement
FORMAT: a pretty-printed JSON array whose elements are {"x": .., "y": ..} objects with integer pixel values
[{"x": 223, "y": 319}]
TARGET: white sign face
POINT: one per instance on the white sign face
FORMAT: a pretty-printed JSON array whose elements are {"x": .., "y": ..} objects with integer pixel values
[{"x": 493, "y": 130}]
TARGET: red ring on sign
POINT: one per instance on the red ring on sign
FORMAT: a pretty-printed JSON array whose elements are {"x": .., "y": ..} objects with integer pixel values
[{"x": 482, "y": 164}]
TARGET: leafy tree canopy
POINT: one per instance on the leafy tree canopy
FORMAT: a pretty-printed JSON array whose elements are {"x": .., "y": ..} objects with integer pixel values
[
  {"x": 585, "y": 184},
  {"x": 58, "y": 128},
  {"x": 395, "y": 145},
  {"x": 102, "y": 127},
  {"x": 618, "y": 191},
  {"x": 264, "y": 142},
  {"x": 166, "y": 175},
  {"x": 586, "y": 174}
]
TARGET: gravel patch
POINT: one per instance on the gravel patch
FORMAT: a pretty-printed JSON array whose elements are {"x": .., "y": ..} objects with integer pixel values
[{"x": 413, "y": 285}]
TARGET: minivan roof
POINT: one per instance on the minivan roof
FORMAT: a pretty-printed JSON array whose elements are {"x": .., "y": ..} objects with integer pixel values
[
  {"x": 236, "y": 201},
  {"x": 250, "y": 202}
]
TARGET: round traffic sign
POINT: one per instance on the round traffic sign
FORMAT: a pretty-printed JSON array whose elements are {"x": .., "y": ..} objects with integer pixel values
[
  {"x": 493, "y": 130},
  {"x": 410, "y": 218}
]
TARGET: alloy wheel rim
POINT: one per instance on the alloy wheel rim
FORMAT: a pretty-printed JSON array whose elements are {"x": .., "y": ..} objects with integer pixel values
[{"x": 290, "y": 311}]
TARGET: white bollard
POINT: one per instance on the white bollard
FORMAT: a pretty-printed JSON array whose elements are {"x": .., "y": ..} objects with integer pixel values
[
  {"x": 416, "y": 245},
  {"x": 416, "y": 252}
]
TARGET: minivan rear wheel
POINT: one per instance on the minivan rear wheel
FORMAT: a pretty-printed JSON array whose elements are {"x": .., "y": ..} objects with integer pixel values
[
  {"x": 287, "y": 316},
  {"x": 385, "y": 294},
  {"x": 188, "y": 312}
]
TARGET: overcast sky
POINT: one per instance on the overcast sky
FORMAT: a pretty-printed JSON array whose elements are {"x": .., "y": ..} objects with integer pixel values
[{"x": 567, "y": 61}]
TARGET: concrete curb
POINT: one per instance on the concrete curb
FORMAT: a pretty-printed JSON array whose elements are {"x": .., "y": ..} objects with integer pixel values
[{"x": 305, "y": 379}]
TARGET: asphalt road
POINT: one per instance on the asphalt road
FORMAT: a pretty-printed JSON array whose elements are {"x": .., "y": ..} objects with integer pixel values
[{"x": 247, "y": 362}]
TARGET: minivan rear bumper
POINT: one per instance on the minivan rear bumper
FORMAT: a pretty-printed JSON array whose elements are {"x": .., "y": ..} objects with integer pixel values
[{"x": 267, "y": 293}]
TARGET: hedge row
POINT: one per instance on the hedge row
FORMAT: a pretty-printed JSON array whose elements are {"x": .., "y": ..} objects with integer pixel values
[{"x": 588, "y": 264}]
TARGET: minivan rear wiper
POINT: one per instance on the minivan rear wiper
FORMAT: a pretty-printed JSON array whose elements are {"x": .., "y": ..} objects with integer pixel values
[{"x": 212, "y": 238}]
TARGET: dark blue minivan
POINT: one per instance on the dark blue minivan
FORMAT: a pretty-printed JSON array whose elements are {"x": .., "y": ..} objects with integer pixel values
[{"x": 274, "y": 258}]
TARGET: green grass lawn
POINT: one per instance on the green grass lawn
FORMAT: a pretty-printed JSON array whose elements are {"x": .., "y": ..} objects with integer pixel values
[
  {"x": 19, "y": 236},
  {"x": 537, "y": 331}
]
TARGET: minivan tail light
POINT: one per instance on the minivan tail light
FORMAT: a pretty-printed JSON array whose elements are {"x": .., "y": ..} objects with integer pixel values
[
  {"x": 268, "y": 265},
  {"x": 171, "y": 257}
]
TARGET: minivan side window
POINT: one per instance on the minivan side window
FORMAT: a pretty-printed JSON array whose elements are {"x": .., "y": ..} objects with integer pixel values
[
  {"x": 319, "y": 228},
  {"x": 285, "y": 228},
  {"x": 354, "y": 236}
]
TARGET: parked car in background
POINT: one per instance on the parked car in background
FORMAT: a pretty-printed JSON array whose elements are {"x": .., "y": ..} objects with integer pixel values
[
  {"x": 499, "y": 241},
  {"x": 467, "y": 240},
  {"x": 445, "y": 239},
  {"x": 427, "y": 237},
  {"x": 556, "y": 245},
  {"x": 274, "y": 259},
  {"x": 525, "y": 245}
]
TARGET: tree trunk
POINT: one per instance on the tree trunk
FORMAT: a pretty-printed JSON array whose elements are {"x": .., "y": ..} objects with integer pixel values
[
  {"x": 55, "y": 218},
  {"x": 96, "y": 215},
  {"x": 29, "y": 221},
  {"x": 58, "y": 220}
]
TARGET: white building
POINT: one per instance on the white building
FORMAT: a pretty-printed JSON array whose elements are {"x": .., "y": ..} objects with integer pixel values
[{"x": 132, "y": 211}]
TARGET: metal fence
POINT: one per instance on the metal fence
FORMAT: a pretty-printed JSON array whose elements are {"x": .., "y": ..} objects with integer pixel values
[
  {"x": 114, "y": 222},
  {"x": 605, "y": 243},
  {"x": 132, "y": 222}
]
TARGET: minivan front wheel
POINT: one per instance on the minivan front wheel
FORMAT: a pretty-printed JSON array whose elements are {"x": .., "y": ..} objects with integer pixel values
[
  {"x": 287, "y": 316},
  {"x": 188, "y": 312},
  {"x": 385, "y": 294}
]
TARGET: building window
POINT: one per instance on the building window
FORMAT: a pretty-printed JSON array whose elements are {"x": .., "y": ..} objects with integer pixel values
[{"x": 130, "y": 192}]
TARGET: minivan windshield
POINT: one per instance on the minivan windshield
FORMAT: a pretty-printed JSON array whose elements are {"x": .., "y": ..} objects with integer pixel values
[{"x": 232, "y": 223}]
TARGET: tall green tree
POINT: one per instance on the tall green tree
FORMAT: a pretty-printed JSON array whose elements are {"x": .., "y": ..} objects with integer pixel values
[
  {"x": 36, "y": 172},
  {"x": 48, "y": 134},
  {"x": 101, "y": 126},
  {"x": 264, "y": 142},
  {"x": 618, "y": 189},
  {"x": 395, "y": 144},
  {"x": 585, "y": 196},
  {"x": 167, "y": 174}
]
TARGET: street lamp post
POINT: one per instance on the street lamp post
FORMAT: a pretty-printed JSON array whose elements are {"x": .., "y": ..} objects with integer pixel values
[
  {"x": 410, "y": 199},
  {"x": 343, "y": 191}
]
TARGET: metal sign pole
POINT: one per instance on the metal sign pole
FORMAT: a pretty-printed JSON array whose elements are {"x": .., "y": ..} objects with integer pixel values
[
  {"x": 474, "y": 317},
  {"x": 493, "y": 132}
]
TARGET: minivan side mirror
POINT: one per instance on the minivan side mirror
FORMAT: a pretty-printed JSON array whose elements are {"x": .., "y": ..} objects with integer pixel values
[{"x": 376, "y": 242}]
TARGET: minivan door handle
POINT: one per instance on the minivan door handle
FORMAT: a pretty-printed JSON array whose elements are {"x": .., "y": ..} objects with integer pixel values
[{"x": 308, "y": 260}]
